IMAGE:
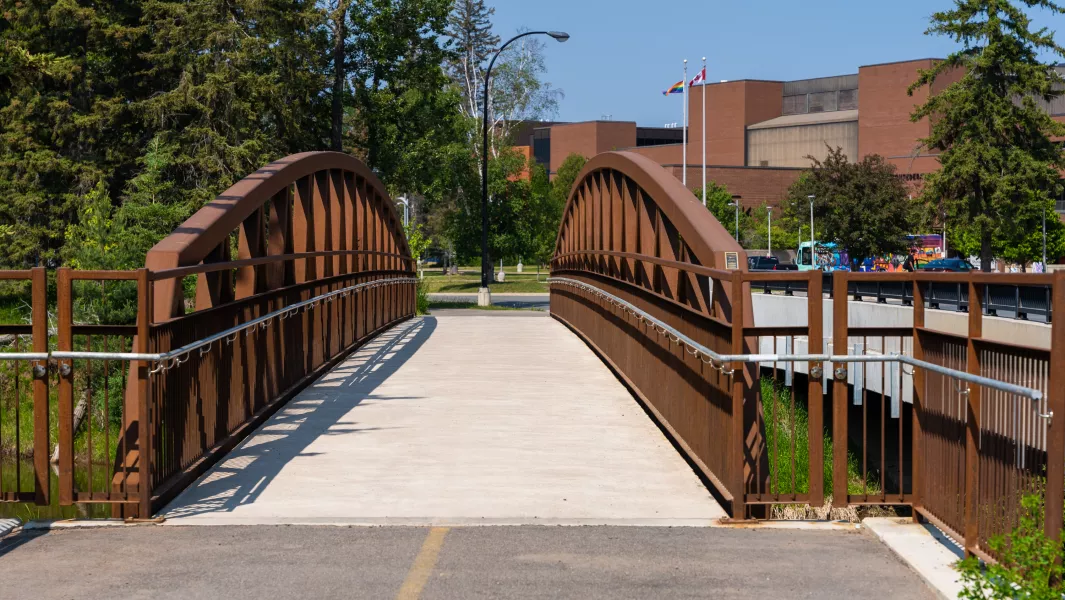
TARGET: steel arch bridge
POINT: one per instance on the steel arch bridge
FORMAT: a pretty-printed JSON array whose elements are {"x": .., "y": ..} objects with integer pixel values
[{"x": 286, "y": 273}]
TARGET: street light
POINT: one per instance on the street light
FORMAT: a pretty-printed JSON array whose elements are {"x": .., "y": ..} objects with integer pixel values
[
  {"x": 406, "y": 211},
  {"x": 811, "y": 197},
  {"x": 769, "y": 230},
  {"x": 736, "y": 202},
  {"x": 1044, "y": 239},
  {"x": 484, "y": 297}
]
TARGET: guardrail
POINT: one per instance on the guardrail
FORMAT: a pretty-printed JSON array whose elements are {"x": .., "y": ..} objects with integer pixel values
[{"x": 1013, "y": 301}]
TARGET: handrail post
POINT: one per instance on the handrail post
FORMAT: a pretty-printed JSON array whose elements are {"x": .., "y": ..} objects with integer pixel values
[
  {"x": 815, "y": 391},
  {"x": 41, "y": 431},
  {"x": 65, "y": 342},
  {"x": 144, "y": 421},
  {"x": 918, "y": 398},
  {"x": 839, "y": 391},
  {"x": 1055, "y": 490},
  {"x": 736, "y": 450},
  {"x": 972, "y": 421}
]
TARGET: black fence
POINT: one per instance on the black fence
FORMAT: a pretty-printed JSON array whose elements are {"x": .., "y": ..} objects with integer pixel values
[{"x": 1010, "y": 301}]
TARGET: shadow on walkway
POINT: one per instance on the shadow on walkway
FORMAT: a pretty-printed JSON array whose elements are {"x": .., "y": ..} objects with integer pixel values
[{"x": 244, "y": 473}]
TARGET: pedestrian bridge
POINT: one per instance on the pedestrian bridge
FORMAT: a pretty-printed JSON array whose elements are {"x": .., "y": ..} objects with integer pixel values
[
  {"x": 456, "y": 420},
  {"x": 293, "y": 382}
]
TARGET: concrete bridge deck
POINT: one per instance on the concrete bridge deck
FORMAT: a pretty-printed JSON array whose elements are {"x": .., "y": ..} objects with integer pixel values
[{"x": 456, "y": 420}]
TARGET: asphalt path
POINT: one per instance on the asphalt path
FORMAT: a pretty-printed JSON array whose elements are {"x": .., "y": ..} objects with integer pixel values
[{"x": 147, "y": 561}]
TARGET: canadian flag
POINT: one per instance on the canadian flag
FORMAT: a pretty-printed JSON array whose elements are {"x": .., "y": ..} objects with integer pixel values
[{"x": 700, "y": 78}]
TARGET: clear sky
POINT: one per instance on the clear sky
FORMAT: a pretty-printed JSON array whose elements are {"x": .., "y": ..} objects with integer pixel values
[{"x": 623, "y": 53}]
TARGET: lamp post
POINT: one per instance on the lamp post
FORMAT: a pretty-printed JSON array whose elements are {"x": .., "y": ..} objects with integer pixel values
[
  {"x": 736, "y": 202},
  {"x": 1044, "y": 239},
  {"x": 484, "y": 297},
  {"x": 406, "y": 211},
  {"x": 811, "y": 197},
  {"x": 769, "y": 230}
]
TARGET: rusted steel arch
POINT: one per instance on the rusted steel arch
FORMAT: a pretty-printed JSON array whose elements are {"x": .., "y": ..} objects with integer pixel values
[
  {"x": 633, "y": 230},
  {"x": 308, "y": 202},
  {"x": 707, "y": 239}
]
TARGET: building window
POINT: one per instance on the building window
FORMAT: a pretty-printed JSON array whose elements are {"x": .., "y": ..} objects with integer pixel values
[
  {"x": 795, "y": 105},
  {"x": 824, "y": 102},
  {"x": 542, "y": 147},
  {"x": 848, "y": 99}
]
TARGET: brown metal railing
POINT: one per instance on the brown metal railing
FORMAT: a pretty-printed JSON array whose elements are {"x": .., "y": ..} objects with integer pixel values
[
  {"x": 197, "y": 384},
  {"x": 24, "y": 394},
  {"x": 920, "y": 425}
]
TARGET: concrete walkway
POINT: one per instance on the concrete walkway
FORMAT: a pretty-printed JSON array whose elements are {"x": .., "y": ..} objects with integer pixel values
[{"x": 456, "y": 420}]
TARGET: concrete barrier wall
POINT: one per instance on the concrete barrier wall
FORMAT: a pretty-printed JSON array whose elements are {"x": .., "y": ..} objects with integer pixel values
[{"x": 771, "y": 310}]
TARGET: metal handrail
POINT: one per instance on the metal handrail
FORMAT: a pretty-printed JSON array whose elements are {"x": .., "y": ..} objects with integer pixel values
[
  {"x": 695, "y": 348},
  {"x": 173, "y": 357},
  {"x": 23, "y": 356}
]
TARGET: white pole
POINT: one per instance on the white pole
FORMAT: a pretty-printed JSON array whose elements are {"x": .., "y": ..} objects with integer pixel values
[
  {"x": 684, "y": 167},
  {"x": 703, "y": 90},
  {"x": 811, "y": 223},
  {"x": 1044, "y": 240},
  {"x": 769, "y": 228}
]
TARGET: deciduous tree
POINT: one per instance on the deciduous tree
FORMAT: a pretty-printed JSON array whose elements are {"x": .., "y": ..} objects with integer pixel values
[{"x": 860, "y": 206}]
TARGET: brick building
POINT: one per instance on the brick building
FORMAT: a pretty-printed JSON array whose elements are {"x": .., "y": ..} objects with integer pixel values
[{"x": 760, "y": 133}]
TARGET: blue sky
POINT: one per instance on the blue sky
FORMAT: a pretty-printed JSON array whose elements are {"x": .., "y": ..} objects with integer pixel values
[{"x": 623, "y": 53}]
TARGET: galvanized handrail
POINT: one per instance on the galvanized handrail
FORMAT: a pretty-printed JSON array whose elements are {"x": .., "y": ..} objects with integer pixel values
[
  {"x": 716, "y": 359},
  {"x": 173, "y": 357},
  {"x": 24, "y": 356}
]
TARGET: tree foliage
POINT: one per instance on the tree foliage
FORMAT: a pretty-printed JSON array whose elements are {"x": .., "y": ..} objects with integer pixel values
[
  {"x": 1000, "y": 169},
  {"x": 861, "y": 206}
]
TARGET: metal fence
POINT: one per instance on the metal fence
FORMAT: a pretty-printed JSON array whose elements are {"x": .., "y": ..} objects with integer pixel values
[
  {"x": 130, "y": 413},
  {"x": 25, "y": 439},
  {"x": 957, "y": 427}
]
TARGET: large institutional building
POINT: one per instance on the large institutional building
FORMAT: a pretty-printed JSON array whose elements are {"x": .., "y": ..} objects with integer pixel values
[{"x": 760, "y": 133}]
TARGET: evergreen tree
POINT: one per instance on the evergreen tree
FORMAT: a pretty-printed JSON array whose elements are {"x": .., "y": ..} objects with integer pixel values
[
  {"x": 67, "y": 76},
  {"x": 239, "y": 85},
  {"x": 1000, "y": 169}
]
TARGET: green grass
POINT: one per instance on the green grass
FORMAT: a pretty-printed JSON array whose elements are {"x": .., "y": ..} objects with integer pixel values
[
  {"x": 780, "y": 415},
  {"x": 471, "y": 306},
  {"x": 469, "y": 284},
  {"x": 13, "y": 311}
]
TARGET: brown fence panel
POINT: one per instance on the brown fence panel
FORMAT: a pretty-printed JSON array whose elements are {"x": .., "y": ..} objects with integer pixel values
[
  {"x": 96, "y": 313},
  {"x": 790, "y": 473},
  {"x": 24, "y": 389}
]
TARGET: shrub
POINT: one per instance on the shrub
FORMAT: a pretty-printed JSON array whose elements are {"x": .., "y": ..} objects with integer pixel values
[{"x": 1030, "y": 566}]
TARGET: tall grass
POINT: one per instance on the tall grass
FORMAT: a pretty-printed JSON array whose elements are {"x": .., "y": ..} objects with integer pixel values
[{"x": 787, "y": 428}]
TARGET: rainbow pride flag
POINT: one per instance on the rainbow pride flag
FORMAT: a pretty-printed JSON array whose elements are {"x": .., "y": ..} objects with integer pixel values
[{"x": 676, "y": 88}]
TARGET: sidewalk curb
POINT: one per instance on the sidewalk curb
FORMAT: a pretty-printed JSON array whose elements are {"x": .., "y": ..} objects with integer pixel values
[{"x": 926, "y": 550}]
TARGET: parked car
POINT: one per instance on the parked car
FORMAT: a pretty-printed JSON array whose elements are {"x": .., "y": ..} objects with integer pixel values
[
  {"x": 762, "y": 263},
  {"x": 769, "y": 263},
  {"x": 950, "y": 265}
]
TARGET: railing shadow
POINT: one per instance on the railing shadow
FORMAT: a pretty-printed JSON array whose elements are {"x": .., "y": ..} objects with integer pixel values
[{"x": 242, "y": 476}]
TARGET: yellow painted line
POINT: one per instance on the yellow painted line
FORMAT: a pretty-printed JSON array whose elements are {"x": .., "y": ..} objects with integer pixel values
[{"x": 423, "y": 565}]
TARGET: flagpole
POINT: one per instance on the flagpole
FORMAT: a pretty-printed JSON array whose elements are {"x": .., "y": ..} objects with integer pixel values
[
  {"x": 684, "y": 167},
  {"x": 703, "y": 90}
]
